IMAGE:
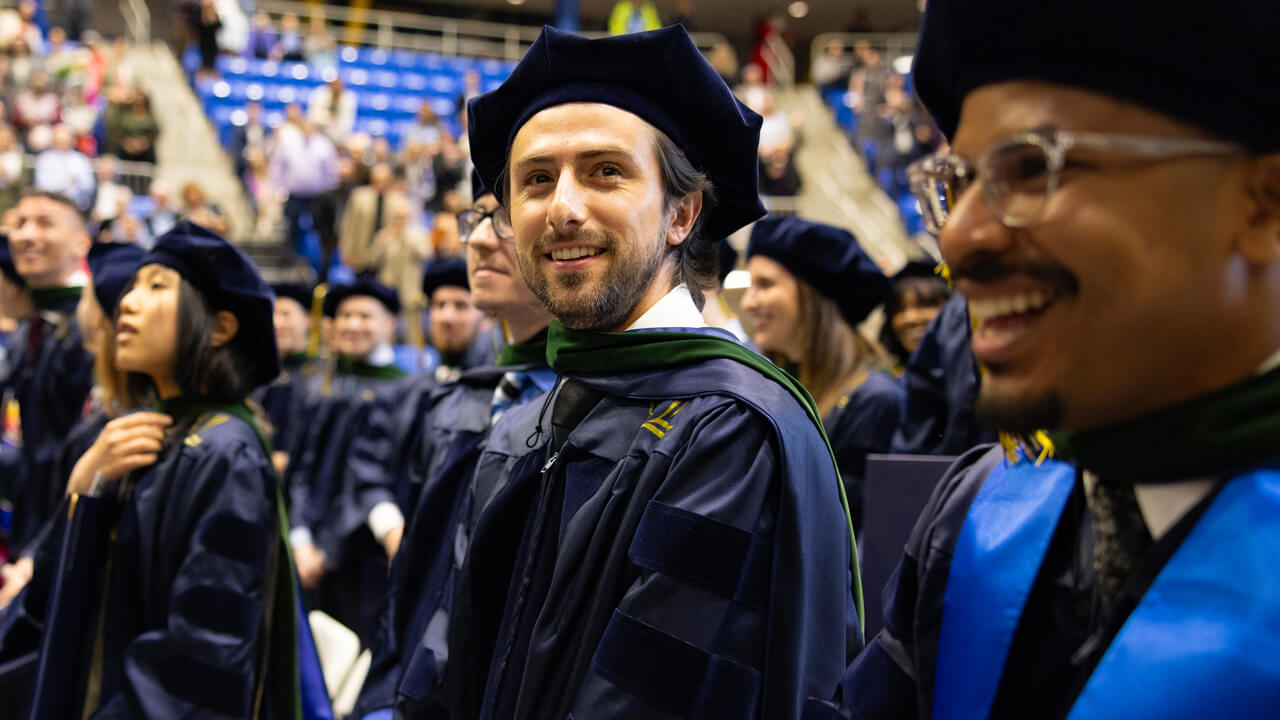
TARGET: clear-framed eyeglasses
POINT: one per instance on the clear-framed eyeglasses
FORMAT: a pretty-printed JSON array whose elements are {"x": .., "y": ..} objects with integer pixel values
[
  {"x": 470, "y": 219},
  {"x": 1018, "y": 175}
]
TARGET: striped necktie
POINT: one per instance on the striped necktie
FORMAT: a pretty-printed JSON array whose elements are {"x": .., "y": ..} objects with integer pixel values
[{"x": 508, "y": 393}]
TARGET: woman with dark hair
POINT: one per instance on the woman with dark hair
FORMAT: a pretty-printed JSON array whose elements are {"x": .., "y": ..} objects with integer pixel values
[
  {"x": 918, "y": 295},
  {"x": 194, "y": 613},
  {"x": 811, "y": 285}
]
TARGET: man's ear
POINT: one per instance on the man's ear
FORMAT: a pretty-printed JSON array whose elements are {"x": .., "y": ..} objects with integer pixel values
[
  {"x": 1260, "y": 242},
  {"x": 683, "y": 216},
  {"x": 391, "y": 327},
  {"x": 82, "y": 244},
  {"x": 225, "y": 327}
]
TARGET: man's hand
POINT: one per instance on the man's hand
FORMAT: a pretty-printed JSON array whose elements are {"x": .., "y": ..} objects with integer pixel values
[
  {"x": 126, "y": 444},
  {"x": 280, "y": 459},
  {"x": 15, "y": 575},
  {"x": 311, "y": 567},
  {"x": 391, "y": 541}
]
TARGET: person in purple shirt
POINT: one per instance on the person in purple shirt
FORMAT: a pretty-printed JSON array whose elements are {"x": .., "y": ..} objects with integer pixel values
[{"x": 305, "y": 163}]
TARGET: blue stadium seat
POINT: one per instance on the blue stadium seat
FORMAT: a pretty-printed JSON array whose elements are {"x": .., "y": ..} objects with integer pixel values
[
  {"x": 373, "y": 56},
  {"x": 414, "y": 81},
  {"x": 406, "y": 103},
  {"x": 384, "y": 79},
  {"x": 443, "y": 84},
  {"x": 909, "y": 208},
  {"x": 432, "y": 62},
  {"x": 354, "y": 77}
]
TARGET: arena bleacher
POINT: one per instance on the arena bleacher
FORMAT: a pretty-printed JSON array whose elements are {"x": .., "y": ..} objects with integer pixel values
[{"x": 390, "y": 86}]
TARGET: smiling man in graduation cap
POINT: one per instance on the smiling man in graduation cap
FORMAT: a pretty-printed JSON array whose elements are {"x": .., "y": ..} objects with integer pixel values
[
  {"x": 51, "y": 372},
  {"x": 687, "y": 552},
  {"x": 1118, "y": 242}
]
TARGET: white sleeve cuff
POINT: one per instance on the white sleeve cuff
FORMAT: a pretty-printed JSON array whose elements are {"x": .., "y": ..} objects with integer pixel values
[
  {"x": 300, "y": 536},
  {"x": 384, "y": 517}
]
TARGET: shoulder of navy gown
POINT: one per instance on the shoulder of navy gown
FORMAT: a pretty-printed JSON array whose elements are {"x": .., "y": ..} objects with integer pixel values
[
  {"x": 863, "y": 422},
  {"x": 893, "y": 676},
  {"x": 502, "y": 493},
  {"x": 187, "y": 586},
  {"x": 411, "y": 625},
  {"x": 703, "y": 559},
  {"x": 51, "y": 389}
]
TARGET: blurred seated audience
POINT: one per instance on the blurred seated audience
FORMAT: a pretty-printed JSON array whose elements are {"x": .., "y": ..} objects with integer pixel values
[
  {"x": 12, "y": 179},
  {"x": 163, "y": 216},
  {"x": 289, "y": 42},
  {"x": 64, "y": 169},
  {"x": 36, "y": 104},
  {"x": 262, "y": 37},
  {"x": 135, "y": 129},
  {"x": 200, "y": 211},
  {"x": 108, "y": 191}
]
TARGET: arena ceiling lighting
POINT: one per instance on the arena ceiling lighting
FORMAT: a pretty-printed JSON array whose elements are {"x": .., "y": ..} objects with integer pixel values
[{"x": 798, "y": 9}]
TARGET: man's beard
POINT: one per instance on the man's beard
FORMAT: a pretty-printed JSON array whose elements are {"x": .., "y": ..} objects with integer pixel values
[
  {"x": 1019, "y": 415},
  {"x": 611, "y": 299}
]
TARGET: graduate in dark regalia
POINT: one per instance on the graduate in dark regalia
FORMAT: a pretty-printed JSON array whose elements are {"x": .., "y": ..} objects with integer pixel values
[
  {"x": 684, "y": 549},
  {"x": 112, "y": 266},
  {"x": 411, "y": 651},
  {"x": 454, "y": 321},
  {"x": 282, "y": 399},
  {"x": 918, "y": 295},
  {"x": 940, "y": 383},
  {"x": 811, "y": 286},
  {"x": 194, "y": 612},
  {"x": 1118, "y": 242},
  {"x": 51, "y": 371},
  {"x": 346, "y": 570},
  {"x": 15, "y": 304}
]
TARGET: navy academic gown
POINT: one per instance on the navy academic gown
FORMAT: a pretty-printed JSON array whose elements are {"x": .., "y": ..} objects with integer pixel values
[
  {"x": 76, "y": 444},
  {"x": 941, "y": 384},
  {"x": 411, "y": 650},
  {"x": 357, "y": 566},
  {"x": 440, "y": 455},
  {"x": 687, "y": 556},
  {"x": 182, "y": 630},
  {"x": 862, "y": 423},
  {"x": 51, "y": 382},
  {"x": 992, "y": 613},
  {"x": 282, "y": 399}
]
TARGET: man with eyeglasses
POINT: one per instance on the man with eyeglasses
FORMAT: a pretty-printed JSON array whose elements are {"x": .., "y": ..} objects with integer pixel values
[
  {"x": 436, "y": 439},
  {"x": 1117, "y": 236}
]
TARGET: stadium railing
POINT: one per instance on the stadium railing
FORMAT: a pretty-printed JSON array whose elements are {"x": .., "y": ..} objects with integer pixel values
[{"x": 397, "y": 30}]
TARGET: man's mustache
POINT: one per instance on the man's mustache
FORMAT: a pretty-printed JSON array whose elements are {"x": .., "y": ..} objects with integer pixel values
[
  {"x": 594, "y": 238},
  {"x": 988, "y": 268}
]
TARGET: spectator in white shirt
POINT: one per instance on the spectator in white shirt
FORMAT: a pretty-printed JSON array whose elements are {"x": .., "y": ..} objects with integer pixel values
[
  {"x": 63, "y": 169},
  {"x": 333, "y": 109}
]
